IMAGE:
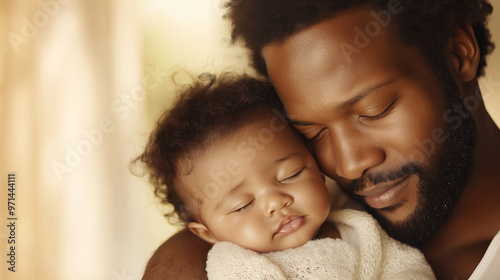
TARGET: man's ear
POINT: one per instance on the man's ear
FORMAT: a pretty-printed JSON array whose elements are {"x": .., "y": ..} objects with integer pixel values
[
  {"x": 202, "y": 232},
  {"x": 465, "y": 53}
]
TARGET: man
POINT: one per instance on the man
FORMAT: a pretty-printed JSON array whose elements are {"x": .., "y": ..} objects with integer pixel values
[{"x": 386, "y": 94}]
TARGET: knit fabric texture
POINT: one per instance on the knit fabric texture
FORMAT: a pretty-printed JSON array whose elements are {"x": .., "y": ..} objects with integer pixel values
[{"x": 372, "y": 255}]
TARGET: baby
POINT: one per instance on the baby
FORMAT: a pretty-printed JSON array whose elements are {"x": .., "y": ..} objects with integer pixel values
[{"x": 239, "y": 177}]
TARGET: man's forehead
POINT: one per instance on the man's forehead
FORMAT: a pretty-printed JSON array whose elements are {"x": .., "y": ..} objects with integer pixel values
[{"x": 318, "y": 59}]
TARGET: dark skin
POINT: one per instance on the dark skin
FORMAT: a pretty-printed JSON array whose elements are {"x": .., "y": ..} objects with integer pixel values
[
  {"x": 459, "y": 245},
  {"x": 352, "y": 143},
  {"x": 174, "y": 259}
]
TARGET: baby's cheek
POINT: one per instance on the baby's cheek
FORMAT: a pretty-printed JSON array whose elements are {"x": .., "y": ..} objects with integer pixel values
[{"x": 253, "y": 228}]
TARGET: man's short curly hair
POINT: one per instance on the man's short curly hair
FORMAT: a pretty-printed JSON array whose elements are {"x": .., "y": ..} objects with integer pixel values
[
  {"x": 426, "y": 24},
  {"x": 205, "y": 112}
]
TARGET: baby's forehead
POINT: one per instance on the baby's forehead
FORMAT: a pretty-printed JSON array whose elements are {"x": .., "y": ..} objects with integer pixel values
[
  {"x": 253, "y": 144},
  {"x": 250, "y": 139}
]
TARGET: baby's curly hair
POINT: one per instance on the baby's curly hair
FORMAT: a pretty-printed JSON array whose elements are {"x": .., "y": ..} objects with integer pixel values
[
  {"x": 205, "y": 112},
  {"x": 426, "y": 24}
]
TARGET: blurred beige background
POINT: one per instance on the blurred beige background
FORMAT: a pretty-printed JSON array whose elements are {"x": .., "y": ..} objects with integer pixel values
[{"x": 81, "y": 85}]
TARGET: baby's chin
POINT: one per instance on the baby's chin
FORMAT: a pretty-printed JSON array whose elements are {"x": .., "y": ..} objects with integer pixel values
[
  {"x": 291, "y": 241},
  {"x": 306, "y": 230}
]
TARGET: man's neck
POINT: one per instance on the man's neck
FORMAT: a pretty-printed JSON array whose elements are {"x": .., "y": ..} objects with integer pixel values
[{"x": 457, "y": 249}]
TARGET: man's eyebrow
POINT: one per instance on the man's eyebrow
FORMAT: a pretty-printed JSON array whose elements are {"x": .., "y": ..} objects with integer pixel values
[
  {"x": 299, "y": 123},
  {"x": 363, "y": 93},
  {"x": 348, "y": 103}
]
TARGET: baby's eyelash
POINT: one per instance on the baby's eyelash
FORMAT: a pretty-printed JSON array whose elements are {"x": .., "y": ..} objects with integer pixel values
[
  {"x": 296, "y": 174},
  {"x": 243, "y": 208}
]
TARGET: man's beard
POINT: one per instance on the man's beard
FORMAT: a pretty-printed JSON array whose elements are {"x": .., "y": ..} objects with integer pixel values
[{"x": 441, "y": 182}]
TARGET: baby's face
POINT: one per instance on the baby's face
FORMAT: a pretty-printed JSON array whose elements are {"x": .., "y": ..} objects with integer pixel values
[{"x": 260, "y": 188}]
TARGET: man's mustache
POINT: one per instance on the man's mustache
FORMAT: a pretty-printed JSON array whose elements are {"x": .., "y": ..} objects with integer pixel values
[{"x": 375, "y": 178}]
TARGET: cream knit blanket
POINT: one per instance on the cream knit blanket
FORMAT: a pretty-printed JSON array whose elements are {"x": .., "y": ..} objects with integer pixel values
[{"x": 369, "y": 254}]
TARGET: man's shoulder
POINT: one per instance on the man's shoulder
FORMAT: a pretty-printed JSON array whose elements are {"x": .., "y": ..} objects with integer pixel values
[{"x": 488, "y": 267}]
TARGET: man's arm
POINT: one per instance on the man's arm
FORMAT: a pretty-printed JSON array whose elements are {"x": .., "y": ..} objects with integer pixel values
[{"x": 183, "y": 256}]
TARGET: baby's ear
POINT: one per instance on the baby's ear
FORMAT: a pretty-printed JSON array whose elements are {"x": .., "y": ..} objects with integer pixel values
[{"x": 202, "y": 232}]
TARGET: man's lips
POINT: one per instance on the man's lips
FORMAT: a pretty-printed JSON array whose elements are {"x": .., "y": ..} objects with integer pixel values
[
  {"x": 290, "y": 224},
  {"x": 385, "y": 194}
]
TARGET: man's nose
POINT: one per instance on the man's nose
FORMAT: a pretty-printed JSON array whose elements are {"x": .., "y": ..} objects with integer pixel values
[
  {"x": 354, "y": 152},
  {"x": 275, "y": 201}
]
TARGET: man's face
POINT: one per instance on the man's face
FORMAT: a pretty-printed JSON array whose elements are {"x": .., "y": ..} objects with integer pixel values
[{"x": 375, "y": 115}]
